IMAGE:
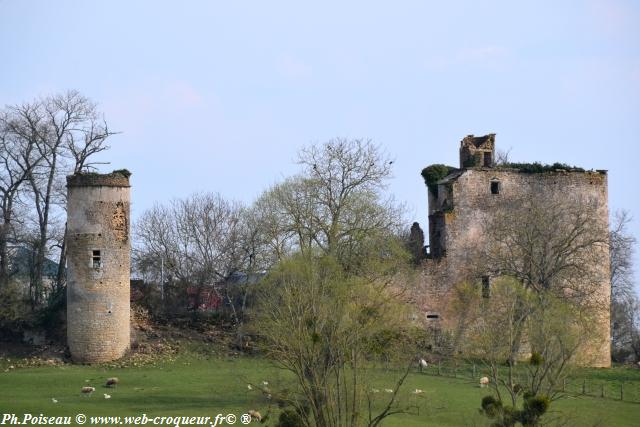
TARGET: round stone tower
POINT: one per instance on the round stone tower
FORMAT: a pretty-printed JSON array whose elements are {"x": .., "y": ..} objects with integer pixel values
[{"x": 98, "y": 266}]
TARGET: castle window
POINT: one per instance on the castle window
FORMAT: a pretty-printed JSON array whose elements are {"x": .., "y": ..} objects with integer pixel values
[
  {"x": 487, "y": 159},
  {"x": 433, "y": 316},
  {"x": 495, "y": 187},
  {"x": 96, "y": 261},
  {"x": 486, "y": 287}
]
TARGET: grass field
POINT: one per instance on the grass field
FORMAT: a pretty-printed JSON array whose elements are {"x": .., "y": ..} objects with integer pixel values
[{"x": 197, "y": 385}]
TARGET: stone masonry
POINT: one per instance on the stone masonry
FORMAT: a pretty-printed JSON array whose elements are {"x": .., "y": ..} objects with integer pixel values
[
  {"x": 98, "y": 266},
  {"x": 468, "y": 196}
]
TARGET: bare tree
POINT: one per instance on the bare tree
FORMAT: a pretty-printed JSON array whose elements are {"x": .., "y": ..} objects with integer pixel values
[
  {"x": 346, "y": 176},
  {"x": 502, "y": 157},
  {"x": 13, "y": 176},
  {"x": 621, "y": 248},
  {"x": 555, "y": 246},
  {"x": 62, "y": 133},
  {"x": 198, "y": 242},
  {"x": 333, "y": 205},
  {"x": 84, "y": 140},
  {"x": 272, "y": 232},
  {"x": 625, "y": 307}
]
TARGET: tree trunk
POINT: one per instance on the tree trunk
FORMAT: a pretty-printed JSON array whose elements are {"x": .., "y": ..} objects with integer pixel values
[
  {"x": 4, "y": 255},
  {"x": 61, "y": 277},
  {"x": 38, "y": 271},
  {"x": 521, "y": 317}
]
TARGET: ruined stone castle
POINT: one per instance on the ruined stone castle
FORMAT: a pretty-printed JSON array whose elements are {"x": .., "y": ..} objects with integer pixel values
[
  {"x": 461, "y": 203},
  {"x": 98, "y": 266}
]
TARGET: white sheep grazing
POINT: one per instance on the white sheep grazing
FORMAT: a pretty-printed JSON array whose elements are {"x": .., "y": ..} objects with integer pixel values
[
  {"x": 484, "y": 381},
  {"x": 87, "y": 390},
  {"x": 255, "y": 415},
  {"x": 423, "y": 364}
]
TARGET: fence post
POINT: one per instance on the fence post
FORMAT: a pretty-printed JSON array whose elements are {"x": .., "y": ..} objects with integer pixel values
[
  {"x": 584, "y": 386},
  {"x": 564, "y": 385},
  {"x": 601, "y": 390},
  {"x": 439, "y": 369},
  {"x": 474, "y": 371},
  {"x": 621, "y": 391}
]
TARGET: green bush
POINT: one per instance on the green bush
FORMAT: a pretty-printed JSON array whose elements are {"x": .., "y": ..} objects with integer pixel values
[
  {"x": 434, "y": 173},
  {"x": 536, "y": 405},
  {"x": 290, "y": 418},
  {"x": 533, "y": 408},
  {"x": 536, "y": 359},
  {"x": 491, "y": 406}
]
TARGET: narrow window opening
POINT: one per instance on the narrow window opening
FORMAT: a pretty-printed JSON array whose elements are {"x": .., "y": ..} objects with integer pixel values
[
  {"x": 96, "y": 260},
  {"x": 487, "y": 159},
  {"x": 433, "y": 316},
  {"x": 495, "y": 187},
  {"x": 486, "y": 287}
]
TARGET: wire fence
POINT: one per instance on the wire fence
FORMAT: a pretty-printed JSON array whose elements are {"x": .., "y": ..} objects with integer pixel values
[{"x": 577, "y": 385}]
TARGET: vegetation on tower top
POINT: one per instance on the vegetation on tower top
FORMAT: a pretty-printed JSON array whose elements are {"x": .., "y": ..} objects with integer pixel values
[
  {"x": 537, "y": 167},
  {"x": 124, "y": 172},
  {"x": 434, "y": 173}
]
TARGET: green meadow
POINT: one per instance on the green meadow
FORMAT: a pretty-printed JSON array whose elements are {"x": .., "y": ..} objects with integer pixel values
[{"x": 200, "y": 385}]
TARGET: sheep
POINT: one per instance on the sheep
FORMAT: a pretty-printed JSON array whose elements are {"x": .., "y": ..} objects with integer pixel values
[
  {"x": 423, "y": 364},
  {"x": 112, "y": 382},
  {"x": 484, "y": 381},
  {"x": 87, "y": 390},
  {"x": 255, "y": 415},
  {"x": 107, "y": 396}
]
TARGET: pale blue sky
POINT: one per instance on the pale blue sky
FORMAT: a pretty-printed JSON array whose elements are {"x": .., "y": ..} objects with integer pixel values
[{"x": 219, "y": 96}]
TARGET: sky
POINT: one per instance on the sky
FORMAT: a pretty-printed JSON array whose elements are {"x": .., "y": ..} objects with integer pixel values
[{"x": 219, "y": 96}]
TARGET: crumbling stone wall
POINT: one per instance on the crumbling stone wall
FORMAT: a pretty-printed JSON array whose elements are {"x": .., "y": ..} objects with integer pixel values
[
  {"x": 466, "y": 201},
  {"x": 477, "y": 151},
  {"x": 98, "y": 267}
]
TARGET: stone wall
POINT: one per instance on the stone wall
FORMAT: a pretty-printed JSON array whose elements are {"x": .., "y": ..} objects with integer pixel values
[
  {"x": 466, "y": 202},
  {"x": 114, "y": 179},
  {"x": 477, "y": 150},
  {"x": 98, "y": 283}
]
